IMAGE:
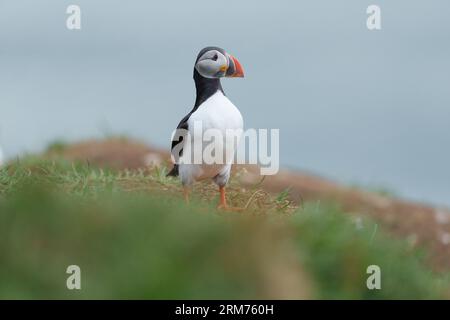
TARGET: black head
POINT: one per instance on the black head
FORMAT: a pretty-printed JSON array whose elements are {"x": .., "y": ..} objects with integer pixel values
[{"x": 214, "y": 63}]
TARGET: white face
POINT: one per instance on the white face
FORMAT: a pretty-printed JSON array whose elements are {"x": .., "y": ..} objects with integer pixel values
[{"x": 212, "y": 64}]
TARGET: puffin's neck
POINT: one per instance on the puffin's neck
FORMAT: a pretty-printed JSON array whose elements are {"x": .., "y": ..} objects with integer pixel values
[{"x": 205, "y": 88}]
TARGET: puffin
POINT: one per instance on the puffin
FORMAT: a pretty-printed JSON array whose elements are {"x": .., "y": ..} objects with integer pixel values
[{"x": 212, "y": 110}]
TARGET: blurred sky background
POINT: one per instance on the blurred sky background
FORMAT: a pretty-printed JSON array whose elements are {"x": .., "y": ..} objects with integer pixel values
[{"x": 362, "y": 107}]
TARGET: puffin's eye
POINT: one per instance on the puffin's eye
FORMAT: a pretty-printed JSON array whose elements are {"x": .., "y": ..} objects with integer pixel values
[{"x": 215, "y": 57}]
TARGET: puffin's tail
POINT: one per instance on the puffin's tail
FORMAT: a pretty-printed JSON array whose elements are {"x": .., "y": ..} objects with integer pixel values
[{"x": 173, "y": 172}]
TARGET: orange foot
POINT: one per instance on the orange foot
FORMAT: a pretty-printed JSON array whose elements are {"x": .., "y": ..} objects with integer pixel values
[
  {"x": 223, "y": 202},
  {"x": 186, "y": 194}
]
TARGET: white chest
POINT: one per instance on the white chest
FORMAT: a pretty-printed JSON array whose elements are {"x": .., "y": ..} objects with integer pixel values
[{"x": 217, "y": 113}]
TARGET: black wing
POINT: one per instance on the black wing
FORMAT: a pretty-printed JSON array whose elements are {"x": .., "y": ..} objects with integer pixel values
[{"x": 184, "y": 126}]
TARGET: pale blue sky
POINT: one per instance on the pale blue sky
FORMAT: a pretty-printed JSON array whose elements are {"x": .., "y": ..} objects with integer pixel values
[{"x": 370, "y": 108}]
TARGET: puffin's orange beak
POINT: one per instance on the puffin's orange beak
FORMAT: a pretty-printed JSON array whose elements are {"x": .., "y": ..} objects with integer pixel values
[{"x": 235, "y": 69}]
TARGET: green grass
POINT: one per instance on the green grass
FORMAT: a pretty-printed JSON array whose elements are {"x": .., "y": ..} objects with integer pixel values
[{"x": 134, "y": 237}]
